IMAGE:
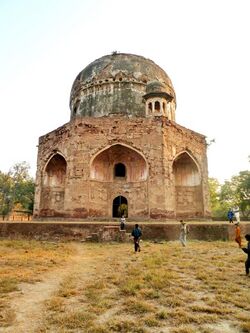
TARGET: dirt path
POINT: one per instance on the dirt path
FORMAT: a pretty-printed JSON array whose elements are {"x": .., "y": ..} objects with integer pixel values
[{"x": 28, "y": 302}]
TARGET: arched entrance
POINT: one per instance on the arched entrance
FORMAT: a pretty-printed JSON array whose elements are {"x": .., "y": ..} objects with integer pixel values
[
  {"x": 188, "y": 190},
  {"x": 120, "y": 206},
  {"x": 53, "y": 187}
]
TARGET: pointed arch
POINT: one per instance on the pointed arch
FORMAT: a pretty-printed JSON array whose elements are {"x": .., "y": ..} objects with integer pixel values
[
  {"x": 120, "y": 206},
  {"x": 102, "y": 164},
  {"x": 55, "y": 170},
  {"x": 186, "y": 170},
  {"x": 188, "y": 187},
  {"x": 53, "y": 185}
]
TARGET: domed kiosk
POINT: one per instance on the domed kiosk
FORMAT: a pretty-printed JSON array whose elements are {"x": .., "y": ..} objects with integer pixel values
[{"x": 122, "y": 150}]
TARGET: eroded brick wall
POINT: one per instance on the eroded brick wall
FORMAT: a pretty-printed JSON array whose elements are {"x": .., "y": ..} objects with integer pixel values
[
  {"x": 80, "y": 231},
  {"x": 148, "y": 147}
]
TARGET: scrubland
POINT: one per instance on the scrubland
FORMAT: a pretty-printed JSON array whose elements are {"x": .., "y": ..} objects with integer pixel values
[{"x": 103, "y": 288}]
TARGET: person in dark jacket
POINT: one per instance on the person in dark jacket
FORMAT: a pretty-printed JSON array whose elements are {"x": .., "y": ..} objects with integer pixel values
[
  {"x": 247, "y": 250},
  {"x": 136, "y": 233},
  {"x": 230, "y": 215}
]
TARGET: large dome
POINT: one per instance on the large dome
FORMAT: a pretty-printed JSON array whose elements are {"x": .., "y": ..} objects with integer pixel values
[{"x": 116, "y": 84}]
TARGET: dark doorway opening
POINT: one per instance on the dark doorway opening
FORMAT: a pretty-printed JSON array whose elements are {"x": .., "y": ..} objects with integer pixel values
[
  {"x": 120, "y": 170},
  {"x": 120, "y": 206}
]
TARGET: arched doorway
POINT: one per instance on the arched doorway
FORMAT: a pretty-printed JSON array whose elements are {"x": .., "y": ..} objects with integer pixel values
[
  {"x": 188, "y": 190},
  {"x": 120, "y": 206},
  {"x": 53, "y": 187}
]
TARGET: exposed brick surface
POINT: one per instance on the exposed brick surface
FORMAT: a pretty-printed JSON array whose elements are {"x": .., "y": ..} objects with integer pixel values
[
  {"x": 122, "y": 112},
  {"x": 110, "y": 232}
]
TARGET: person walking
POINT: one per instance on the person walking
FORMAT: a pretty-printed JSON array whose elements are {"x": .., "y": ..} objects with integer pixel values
[
  {"x": 237, "y": 234},
  {"x": 236, "y": 212},
  {"x": 247, "y": 250},
  {"x": 183, "y": 234},
  {"x": 230, "y": 215},
  {"x": 136, "y": 233},
  {"x": 122, "y": 223}
]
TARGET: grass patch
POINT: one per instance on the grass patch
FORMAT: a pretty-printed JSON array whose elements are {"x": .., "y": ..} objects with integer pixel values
[
  {"x": 137, "y": 307},
  {"x": 26, "y": 261},
  {"x": 164, "y": 287},
  {"x": 8, "y": 285},
  {"x": 72, "y": 320}
]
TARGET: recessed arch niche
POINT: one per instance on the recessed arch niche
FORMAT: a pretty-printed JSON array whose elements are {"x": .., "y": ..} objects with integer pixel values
[
  {"x": 53, "y": 188},
  {"x": 131, "y": 165},
  {"x": 188, "y": 189}
]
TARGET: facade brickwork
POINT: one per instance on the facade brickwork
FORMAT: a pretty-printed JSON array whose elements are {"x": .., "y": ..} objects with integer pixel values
[{"x": 154, "y": 166}]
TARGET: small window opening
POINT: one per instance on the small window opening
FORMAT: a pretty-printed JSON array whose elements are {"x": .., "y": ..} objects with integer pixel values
[
  {"x": 120, "y": 170},
  {"x": 157, "y": 106},
  {"x": 150, "y": 106}
]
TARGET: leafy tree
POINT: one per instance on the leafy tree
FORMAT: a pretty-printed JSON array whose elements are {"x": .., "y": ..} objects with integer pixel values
[
  {"x": 16, "y": 189},
  {"x": 236, "y": 192},
  {"x": 23, "y": 186},
  {"x": 218, "y": 208},
  {"x": 123, "y": 210},
  {"x": 242, "y": 183},
  {"x": 5, "y": 194}
]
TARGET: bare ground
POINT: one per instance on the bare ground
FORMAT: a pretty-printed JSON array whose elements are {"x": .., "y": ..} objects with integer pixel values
[
  {"x": 92, "y": 262},
  {"x": 28, "y": 303}
]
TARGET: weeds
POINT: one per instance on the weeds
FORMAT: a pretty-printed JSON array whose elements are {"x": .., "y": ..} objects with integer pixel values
[{"x": 164, "y": 288}]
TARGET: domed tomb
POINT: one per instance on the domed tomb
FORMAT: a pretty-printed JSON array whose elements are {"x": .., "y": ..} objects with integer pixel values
[
  {"x": 122, "y": 149},
  {"x": 117, "y": 84}
]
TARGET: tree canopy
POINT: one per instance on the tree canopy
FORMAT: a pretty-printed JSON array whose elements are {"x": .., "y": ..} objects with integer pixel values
[
  {"x": 233, "y": 193},
  {"x": 16, "y": 189}
]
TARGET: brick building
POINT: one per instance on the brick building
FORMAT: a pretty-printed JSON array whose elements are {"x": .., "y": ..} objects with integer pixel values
[{"x": 122, "y": 148}]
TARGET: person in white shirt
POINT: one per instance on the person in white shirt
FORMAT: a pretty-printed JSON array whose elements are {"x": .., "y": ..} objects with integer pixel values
[{"x": 183, "y": 234}]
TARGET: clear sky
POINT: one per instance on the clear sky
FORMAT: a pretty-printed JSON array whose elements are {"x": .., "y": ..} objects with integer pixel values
[{"x": 203, "y": 45}]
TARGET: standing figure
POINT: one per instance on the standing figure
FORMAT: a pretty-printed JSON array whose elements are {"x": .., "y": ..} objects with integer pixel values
[
  {"x": 122, "y": 222},
  {"x": 236, "y": 212},
  {"x": 183, "y": 234},
  {"x": 237, "y": 234},
  {"x": 247, "y": 250},
  {"x": 230, "y": 215},
  {"x": 136, "y": 233}
]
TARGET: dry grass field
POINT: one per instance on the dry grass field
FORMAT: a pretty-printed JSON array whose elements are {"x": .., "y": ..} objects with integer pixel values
[{"x": 104, "y": 288}]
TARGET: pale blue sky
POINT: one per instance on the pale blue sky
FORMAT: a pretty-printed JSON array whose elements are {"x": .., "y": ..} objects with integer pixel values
[{"x": 202, "y": 45}]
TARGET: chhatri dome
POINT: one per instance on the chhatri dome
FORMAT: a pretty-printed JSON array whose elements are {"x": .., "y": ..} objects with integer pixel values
[{"x": 124, "y": 84}]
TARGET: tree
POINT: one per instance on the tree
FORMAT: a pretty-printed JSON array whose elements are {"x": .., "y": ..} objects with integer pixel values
[
  {"x": 16, "y": 188},
  {"x": 236, "y": 192},
  {"x": 123, "y": 210},
  {"x": 5, "y": 194},
  {"x": 23, "y": 186},
  {"x": 218, "y": 208}
]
